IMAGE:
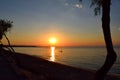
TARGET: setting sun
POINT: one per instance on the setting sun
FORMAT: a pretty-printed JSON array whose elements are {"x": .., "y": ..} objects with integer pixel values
[{"x": 52, "y": 40}]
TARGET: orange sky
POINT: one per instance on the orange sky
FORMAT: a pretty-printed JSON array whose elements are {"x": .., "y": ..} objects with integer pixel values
[
  {"x": 61, "y": 40},
  {"x": 71, "y": 25}
]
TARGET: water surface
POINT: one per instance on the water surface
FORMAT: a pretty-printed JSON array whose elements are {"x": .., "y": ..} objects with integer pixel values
[{"x": 81, "y": 57}]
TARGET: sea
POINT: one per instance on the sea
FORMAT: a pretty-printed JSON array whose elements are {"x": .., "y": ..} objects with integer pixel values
[{"x": 80, "y": 57}]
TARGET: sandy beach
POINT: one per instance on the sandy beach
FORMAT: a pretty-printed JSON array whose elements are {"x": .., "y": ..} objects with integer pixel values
[{"x": 35, "y": 68}]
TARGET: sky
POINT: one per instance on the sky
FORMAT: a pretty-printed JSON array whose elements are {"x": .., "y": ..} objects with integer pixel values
[{"x": 36, "y": 21}]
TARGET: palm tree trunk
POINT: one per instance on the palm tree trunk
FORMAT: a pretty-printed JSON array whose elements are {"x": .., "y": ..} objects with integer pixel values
[{"x": 111, "y": 55}]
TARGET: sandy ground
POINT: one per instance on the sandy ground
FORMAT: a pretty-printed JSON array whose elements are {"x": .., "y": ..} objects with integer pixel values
[{"x": 28, "y": 67}]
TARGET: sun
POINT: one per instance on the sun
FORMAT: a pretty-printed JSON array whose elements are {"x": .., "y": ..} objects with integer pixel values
[{"x": 52, "y": 40}]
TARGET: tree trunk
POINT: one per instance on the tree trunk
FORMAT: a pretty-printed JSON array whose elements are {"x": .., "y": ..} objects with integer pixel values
[{"x": 111, "y": 55}]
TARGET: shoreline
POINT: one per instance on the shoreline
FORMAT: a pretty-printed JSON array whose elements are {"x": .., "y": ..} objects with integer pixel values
[
  {"x": 35, "y": 68},
  {"x": 77, "y": 72},
  {"x": 100, "y": 46}
]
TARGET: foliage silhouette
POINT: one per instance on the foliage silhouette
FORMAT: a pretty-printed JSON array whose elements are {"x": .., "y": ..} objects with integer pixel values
[
  {"x": 5, "y": 26},
  {"x": 104, "y": 5}
]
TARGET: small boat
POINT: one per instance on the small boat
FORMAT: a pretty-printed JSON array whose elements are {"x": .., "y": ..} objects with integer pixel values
[{"x": 61, "y": 51}]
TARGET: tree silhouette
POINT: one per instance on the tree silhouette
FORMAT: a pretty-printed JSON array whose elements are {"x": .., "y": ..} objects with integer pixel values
[
  {"x": 111, "y": 55},
  {"x": 5, "y": 26}
]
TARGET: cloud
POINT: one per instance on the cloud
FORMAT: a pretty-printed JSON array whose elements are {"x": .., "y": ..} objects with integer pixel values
[
  {"x": 78, "y": 5},
  {"x": 66, "y": 4}
]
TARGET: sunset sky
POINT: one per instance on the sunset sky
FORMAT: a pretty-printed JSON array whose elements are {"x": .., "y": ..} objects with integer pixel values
[{"x": 36, "y": 21}]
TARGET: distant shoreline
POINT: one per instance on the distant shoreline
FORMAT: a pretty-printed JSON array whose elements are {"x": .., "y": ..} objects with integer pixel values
[{"x": 58, "y": 46}]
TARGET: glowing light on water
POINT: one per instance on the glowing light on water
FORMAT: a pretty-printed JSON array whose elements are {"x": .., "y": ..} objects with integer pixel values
[{"x": 52, "y": 57}]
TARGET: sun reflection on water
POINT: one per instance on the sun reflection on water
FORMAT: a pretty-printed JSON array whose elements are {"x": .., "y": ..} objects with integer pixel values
[{"x": 52, "y": 57}]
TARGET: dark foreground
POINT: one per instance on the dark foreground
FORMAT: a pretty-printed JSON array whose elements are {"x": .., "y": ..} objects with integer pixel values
[{"x": 16, "y": 66}]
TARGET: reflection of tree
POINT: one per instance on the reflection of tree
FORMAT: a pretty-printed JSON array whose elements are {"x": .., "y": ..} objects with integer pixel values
[{"x": 111, "y": 55}]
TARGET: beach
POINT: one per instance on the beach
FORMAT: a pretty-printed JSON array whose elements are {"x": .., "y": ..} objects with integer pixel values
[
  {"x": 81, "y": 57},
  {"x": 35, "y": 68}
]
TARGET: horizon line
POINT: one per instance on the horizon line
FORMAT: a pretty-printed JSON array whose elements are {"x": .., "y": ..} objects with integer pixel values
[{"x": 53, "y": 45}]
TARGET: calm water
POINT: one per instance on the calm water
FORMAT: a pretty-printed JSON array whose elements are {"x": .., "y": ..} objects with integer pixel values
[{"x": 90, "y": 58}]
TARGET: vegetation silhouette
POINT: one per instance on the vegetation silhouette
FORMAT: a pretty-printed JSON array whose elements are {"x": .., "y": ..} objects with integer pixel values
[
  {"x": 7, "y": 55},
  {"x": 5, "y": 26},
  {"x": 104, "y": 5}
]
